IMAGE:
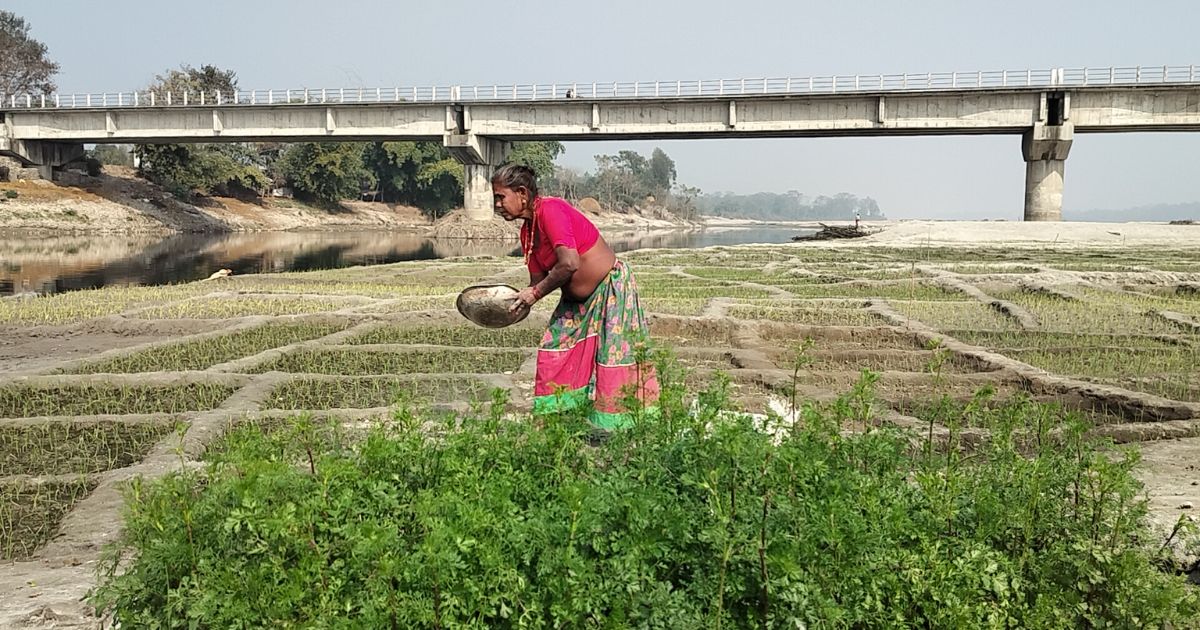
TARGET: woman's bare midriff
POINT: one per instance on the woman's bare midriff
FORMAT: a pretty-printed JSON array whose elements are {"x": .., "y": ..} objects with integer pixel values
[{"x": 594, "y": 265}]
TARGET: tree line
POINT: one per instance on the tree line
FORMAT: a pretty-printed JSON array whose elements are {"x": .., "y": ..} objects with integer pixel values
[
  {"x": 790, "y": 206},
  {"x": 421, "y": 174},
  {"x": 629, "y": 181}
]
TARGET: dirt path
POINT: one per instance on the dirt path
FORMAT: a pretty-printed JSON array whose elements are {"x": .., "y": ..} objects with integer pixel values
[
  {"x": 38, "y": 348},
  {"x": 1170, "y": 470}
]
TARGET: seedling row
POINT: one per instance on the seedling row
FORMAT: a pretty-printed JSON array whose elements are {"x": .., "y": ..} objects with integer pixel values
[{"x": 205, "y": 353}]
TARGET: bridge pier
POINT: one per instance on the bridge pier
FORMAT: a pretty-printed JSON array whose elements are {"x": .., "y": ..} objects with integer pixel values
[
  {"x": 1045, "y": 149},
  {"x": 43, "y": 155},
  {"x": 480, "y": 157}
]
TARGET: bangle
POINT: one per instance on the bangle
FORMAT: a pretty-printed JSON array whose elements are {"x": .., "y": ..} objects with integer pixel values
[{"x": 537, "y": 294}]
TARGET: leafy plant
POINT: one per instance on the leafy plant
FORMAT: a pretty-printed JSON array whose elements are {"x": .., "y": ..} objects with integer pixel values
[{"x": 692, "y": 518}]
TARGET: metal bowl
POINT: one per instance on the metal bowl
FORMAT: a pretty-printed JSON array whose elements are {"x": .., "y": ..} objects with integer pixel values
[{"x": 488, "y": 305}]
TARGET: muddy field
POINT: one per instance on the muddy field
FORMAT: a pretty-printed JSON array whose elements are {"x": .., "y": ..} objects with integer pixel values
[{"x": 100, "y": 386}]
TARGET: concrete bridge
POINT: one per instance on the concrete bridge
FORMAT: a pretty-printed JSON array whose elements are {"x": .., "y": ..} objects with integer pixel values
[{"x": 1046, "y": 108}]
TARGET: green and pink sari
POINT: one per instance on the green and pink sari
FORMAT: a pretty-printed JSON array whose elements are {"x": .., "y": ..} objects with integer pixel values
[{"x": 589, "y": 354}]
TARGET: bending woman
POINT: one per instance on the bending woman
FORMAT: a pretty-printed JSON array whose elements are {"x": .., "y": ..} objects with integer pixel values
[{"x": 588, "y": 351}]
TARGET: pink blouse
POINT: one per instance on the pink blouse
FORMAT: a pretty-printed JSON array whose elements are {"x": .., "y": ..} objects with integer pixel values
[{"x": 556, "y": 223}]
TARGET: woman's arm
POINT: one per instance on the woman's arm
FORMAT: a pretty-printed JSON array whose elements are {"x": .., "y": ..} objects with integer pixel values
[
  {"x": 561, "y": 272},
  {"x": 542, "y": 284},
  {"x": 536, "y": 278}
]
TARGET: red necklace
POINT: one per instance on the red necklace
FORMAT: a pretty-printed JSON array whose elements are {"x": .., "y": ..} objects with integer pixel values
[{"x": 527, "y": 245}]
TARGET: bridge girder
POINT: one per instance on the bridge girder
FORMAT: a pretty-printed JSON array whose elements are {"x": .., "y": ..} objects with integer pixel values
[{"x": 477, "y": 133}]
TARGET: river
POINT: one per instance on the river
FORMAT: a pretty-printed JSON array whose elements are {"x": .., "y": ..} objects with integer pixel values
[{"x": 55, "y": 264}]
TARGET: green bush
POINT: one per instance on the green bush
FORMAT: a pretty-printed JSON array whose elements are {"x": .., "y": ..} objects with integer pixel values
[
  {"x": 698, "y": 519},
  {"x": 94, "y": 167},
  {"x": 116, "y": 154},
  {"x": 325, "y": 171},
  {"x": 11, "y": 194},
  {"x": 204, "y": 168}
]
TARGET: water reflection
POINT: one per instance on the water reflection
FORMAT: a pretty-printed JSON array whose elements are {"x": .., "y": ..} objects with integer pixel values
[{"x": 65, "y": 263}]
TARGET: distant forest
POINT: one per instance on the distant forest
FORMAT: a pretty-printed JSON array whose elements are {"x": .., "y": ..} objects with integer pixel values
[{"x": 790, "y": 206}]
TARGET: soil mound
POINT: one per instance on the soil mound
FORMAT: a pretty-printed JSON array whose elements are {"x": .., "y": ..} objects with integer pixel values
[
  {"x": 458, "y": 225},
  {"x": 589, "y": 205}
]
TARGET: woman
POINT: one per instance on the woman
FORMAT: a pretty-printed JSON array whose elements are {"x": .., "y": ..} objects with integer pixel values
[{"x": 588, "y": 351}]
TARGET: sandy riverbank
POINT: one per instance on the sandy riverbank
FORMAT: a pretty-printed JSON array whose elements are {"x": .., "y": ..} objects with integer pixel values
[
  {"x": 119, "y": 202},
  {"x": 1029, "y": 234},
  {"x": 930, "y": 233}
]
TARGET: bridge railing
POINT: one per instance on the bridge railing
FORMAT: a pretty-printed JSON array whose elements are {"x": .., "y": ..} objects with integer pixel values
[{"x": 694, "y": 88}]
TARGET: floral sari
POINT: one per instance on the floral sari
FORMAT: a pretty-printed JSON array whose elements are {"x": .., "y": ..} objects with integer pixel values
[{"x": 589, "y": 353}]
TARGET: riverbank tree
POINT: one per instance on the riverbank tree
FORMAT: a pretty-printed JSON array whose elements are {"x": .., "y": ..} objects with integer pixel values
[
  {"x": 539, "y": 156},
  {"x": 326, "y": 172},
  {"x": 112, "y": 154},
  {"x": 627, "y": 181},
  {"x": 420, "y": 174},
  {"x": 25, "y": 65},
  {"x": 206, "y": 168}
]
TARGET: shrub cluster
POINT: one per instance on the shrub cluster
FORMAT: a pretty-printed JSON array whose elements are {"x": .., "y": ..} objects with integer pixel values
[{"x": 698, "y": 518}]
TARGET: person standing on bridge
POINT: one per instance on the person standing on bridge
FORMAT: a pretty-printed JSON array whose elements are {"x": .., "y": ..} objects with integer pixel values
[{"x": 589, "y": 350}]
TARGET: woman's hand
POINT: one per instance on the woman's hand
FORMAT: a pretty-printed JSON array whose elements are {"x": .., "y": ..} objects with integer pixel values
[{"x": 526, "y": 298}]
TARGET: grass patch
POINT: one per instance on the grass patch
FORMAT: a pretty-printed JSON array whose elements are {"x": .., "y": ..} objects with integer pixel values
[
  {"x": 972, "y": 270},
  {"x": 1111, "y": 362},
  {"x": 741, "y": 274},
  {"x": 1054, "y": 313},
  {"x": 1143, "y": 301},
  {"x": 24, "y": 401},
  {"x": 895, "y": 291},
  {"x": 30, "y": 513},
  {"x": 413, "y": 304},
  {"x": 370, "y": 393},
  {"x": 60, "y": 448},
  {"x": 1168, "y": 372},
  {"x": 982, "y": 409},
  {"x": 879, "y": 274},
  {"x": 1063, "y": 265},
  {"x": 227, "y": 307},
  {"x": 274, "y": 284},
  {"x": 809, "y": 316},
  {"x": 699, "y": 291},
  {"x": 204, "y": 353},
  {"x": 354, "y": 362},
  {"x": 673, "y": 306},
  {"x": 870, "y": 339},
  {"x": 77, "y": 306},
  {"x": 955, "y": 315},
  {"x": 1018, "y": 339},
  {"x": 512, "y": 337},
  {"x": 881, "y": 360}
]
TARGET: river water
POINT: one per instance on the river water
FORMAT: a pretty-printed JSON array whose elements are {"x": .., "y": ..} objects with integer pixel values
[{"x": 54, "y": 264}]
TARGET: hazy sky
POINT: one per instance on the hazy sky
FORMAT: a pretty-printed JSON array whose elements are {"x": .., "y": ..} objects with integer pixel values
[{"x": 122, "y": 44}]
